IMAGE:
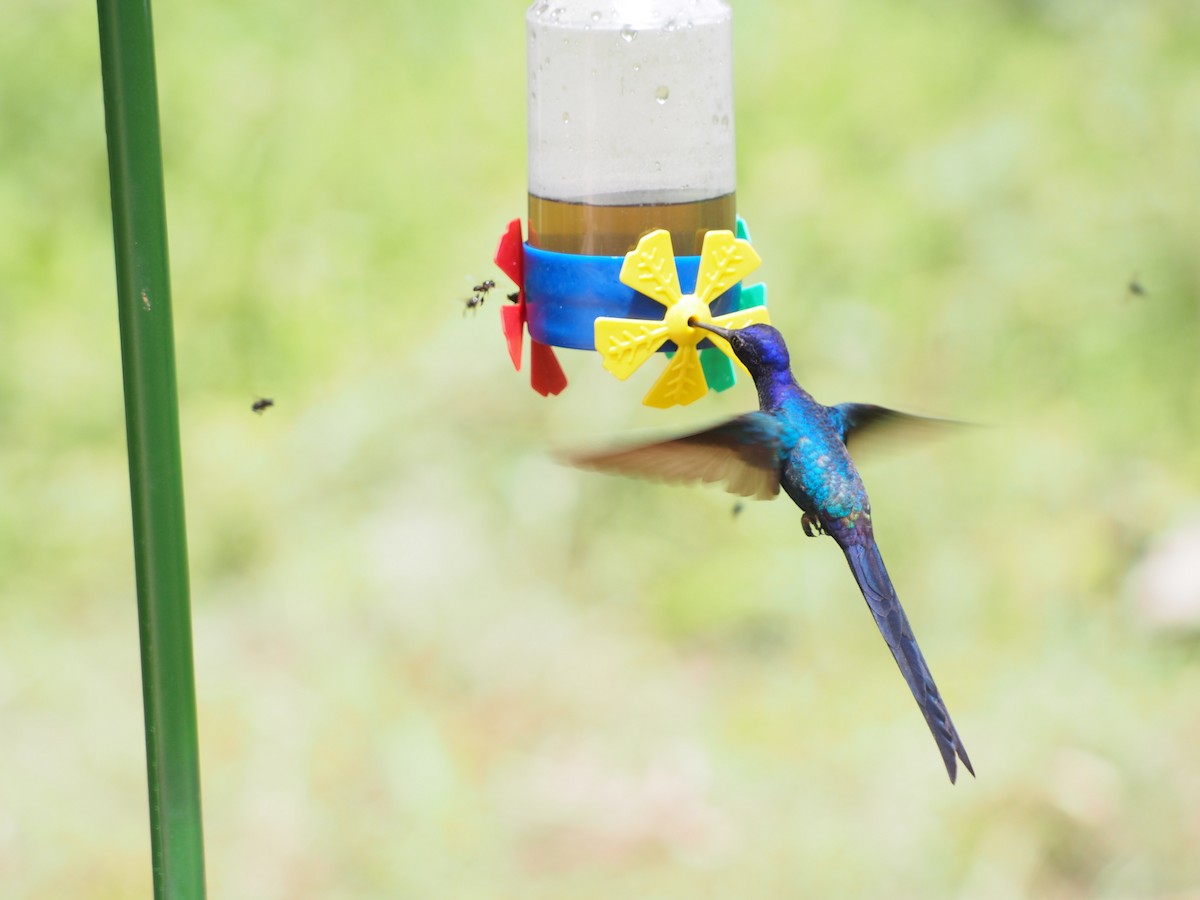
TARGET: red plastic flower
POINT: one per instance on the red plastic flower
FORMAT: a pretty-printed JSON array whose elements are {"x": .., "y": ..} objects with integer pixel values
[{"x": 545, "y": 374}]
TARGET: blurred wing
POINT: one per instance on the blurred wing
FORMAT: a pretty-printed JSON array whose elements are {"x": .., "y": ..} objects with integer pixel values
[
  {"x": 743, "y": 454},
  {"x": 865, "y": 427}
]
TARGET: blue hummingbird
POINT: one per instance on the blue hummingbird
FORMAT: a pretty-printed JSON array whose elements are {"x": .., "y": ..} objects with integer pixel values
[{"x": 798, "y": 444}]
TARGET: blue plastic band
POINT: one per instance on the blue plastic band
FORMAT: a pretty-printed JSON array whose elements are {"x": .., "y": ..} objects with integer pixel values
[{"x": 565, "y": 293}]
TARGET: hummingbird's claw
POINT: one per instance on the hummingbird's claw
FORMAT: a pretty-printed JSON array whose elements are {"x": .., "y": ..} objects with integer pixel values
[{"x": 811, "y": 525}]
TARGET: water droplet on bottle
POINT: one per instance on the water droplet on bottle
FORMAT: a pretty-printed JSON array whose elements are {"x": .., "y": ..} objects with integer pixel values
[
  {"x": 628, "y": 33},
  {"x": 596, "y": 16},
  {"x": 662, "y": 94},
  {"x": 566, "y": 118}
]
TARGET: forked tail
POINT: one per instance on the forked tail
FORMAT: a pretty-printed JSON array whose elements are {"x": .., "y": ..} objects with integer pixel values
[{"x": 871, "y": 574}]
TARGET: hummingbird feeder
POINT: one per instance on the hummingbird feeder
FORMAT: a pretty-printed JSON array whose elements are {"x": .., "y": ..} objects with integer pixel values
[{"x": 631, "y": 161}]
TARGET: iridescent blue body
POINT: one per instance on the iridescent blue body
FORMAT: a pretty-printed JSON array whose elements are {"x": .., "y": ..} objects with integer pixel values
[
  {"x": 818, "y": 474},
  {"x": 797, "y": 444}
]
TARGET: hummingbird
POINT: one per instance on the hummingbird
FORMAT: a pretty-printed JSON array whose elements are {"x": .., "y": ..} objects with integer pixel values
[{"x": 798, "y": 444}]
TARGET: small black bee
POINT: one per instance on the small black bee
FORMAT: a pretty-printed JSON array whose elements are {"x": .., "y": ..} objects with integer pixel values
[
  {"x": 1136, "y": 288},
  {"x": 473, "y": 303},
  {"x": 262, "y": 404},
  {"x": 483, "y": 287},
  {"x": 514, "y": 297}
]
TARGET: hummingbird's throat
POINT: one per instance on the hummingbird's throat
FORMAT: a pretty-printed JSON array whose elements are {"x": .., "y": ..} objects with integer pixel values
[{"x": 680, "y": 316}]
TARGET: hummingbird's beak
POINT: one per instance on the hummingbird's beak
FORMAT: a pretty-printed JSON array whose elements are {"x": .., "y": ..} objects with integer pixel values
[
  {"x": 725, "y": 334},
  {"x": 720, "y": 332}
]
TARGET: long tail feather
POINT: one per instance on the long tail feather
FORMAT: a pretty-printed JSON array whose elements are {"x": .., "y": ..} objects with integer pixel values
[{"x": 876, "y": 586}]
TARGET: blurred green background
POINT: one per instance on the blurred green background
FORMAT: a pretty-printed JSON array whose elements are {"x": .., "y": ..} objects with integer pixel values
[{"x": 433, "y": 663}]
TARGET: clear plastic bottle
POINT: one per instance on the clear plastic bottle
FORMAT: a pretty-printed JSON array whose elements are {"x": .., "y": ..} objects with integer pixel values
[{"x": 630, "y": 123}]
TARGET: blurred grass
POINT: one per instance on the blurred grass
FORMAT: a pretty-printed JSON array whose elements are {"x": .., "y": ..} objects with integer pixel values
[{"x": 433, "y": 663}]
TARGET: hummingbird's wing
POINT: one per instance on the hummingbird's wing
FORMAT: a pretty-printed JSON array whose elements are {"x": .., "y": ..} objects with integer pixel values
[
  {"x": 743, "y": 453},
  {"x": 865, "y": 427}
]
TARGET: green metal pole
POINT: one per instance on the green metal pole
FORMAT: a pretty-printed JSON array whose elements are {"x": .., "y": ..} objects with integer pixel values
[{"x": 152, "y": 431}]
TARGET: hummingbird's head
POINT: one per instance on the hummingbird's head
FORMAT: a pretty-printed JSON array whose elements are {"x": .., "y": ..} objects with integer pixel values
[{"x": 761, "y": 348}]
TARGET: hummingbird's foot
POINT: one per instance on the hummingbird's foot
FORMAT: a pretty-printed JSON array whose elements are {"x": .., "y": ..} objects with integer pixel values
[{"x": 812, "y": 525}]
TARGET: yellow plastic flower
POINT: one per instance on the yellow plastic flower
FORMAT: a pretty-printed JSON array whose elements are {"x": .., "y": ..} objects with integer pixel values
[{"x": 624, "y": 344}]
